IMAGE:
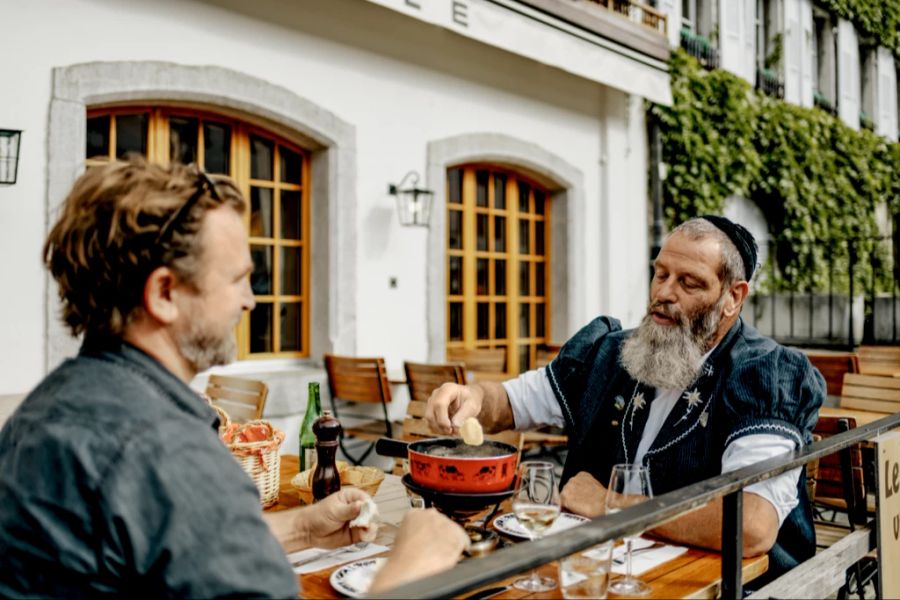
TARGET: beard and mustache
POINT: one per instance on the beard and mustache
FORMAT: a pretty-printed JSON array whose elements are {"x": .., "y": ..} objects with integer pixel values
[
  {"x": 669, "y": 356},
  {"x": 206, "y": 345}
]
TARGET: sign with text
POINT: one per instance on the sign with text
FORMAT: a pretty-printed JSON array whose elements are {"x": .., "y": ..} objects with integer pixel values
[{"x": 888, "y": 453}]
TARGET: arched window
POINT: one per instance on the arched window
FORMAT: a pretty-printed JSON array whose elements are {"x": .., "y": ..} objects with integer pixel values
[
  {"x": 498, "y": 241},
  {"x": 273, "y": 174}
]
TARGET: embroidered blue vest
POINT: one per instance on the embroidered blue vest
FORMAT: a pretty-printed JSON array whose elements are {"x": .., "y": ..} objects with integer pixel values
[{"x": 748, "y": 385}]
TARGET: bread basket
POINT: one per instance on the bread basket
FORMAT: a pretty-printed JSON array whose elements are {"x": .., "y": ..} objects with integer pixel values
[
  {"x": 365, "y": 478},
  {"x": 259, "y": 459}
]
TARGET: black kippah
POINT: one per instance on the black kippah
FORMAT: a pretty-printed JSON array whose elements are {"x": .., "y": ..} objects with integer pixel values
[{"x": 741, "y": 238}]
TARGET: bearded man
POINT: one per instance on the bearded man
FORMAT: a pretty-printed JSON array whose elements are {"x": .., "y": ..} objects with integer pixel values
[
  {"x": 113, "y": 481},
  {"x": 693, "y": 392}
]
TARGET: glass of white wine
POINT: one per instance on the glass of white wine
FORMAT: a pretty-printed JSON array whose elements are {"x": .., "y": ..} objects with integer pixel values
[
  {"x": 628, "y": 484},
  {"x": 536, "y": 505}
]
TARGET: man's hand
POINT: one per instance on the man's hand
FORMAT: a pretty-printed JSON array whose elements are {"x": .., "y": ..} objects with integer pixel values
[
  {"x": 450, "y": 405},
  {"x": 426, "y": 543},
  {"x": 326, "y": 521},
  {"x": 584, "y": 495}
]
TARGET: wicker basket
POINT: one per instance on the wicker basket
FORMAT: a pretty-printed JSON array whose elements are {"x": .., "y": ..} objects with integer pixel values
[
  {"x": 260, "y": 460},
  {"x": 365, "y": 478}
]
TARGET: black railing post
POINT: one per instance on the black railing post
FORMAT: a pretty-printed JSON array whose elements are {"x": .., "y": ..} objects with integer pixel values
[
  {"x": 732, "y": 545},
  {"x": 851, "y": 253},
  {"x": 774, "y": 255}
]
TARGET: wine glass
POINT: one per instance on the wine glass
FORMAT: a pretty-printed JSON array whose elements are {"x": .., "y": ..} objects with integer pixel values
[
  {"x": 628, "y": 484},
  {"x": 536, "y": 505}
]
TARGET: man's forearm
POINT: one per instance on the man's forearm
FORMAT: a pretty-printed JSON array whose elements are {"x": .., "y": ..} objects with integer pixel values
[
  {"x": 496, "y": 412},
  {"x": 288, "y": 529},
  {"x": 703, "y": 527}
]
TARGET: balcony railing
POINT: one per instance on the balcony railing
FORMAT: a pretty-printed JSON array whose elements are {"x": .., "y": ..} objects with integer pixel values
[
  {"x": 822, "y": 102},
  {"x": 637, "y": 12},
  {"x": 866, "y": 122},
  {"x": 768, "y": 82},
  {"x": 700, "y": 48}
]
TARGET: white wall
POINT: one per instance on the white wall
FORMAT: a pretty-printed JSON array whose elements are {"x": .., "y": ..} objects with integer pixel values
[{"x": 400, "y": 83}]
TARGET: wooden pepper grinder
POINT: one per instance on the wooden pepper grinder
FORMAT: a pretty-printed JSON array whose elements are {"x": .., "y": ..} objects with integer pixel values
[{"x": 326, "y": 479}]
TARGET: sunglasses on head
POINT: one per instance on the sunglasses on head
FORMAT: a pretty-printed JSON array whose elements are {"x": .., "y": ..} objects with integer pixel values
[{"x": 204, "y": 184}]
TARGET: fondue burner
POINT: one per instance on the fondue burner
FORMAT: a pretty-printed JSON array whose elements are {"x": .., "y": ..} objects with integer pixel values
[{"x": 459, "y": 506}]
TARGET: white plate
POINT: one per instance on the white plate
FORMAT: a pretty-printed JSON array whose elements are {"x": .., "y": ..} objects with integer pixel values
[
  {"x": 353, "y": 580},
  {"x": 509, "y": 524}
]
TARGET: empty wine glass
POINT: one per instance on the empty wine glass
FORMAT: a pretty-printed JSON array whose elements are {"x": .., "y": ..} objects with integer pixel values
[
  {"x": 628, "y": 484},
  {"x": 536, "y": 505}
]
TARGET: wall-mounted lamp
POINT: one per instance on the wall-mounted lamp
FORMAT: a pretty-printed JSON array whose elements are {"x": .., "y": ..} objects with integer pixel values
[
  {"x": 413, "y": 203},
  {"x": 9, "y": 155}
]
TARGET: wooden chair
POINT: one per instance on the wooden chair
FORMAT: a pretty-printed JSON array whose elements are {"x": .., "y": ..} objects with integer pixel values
[
  {"x": 422, "y": 378},
  {"x": 833, "y": 366},
  {"x": 871, "y": 392},
  {"x": 840, "y": 484},
  {"x": 243, "y": 399},
  {"x": 879, "y": 360},
  {"x": 840, "y": 487},
  {"x": 482, "y": 364},
  {"x": 545, "y": 354},
  {"x": 359, "y": 380}
]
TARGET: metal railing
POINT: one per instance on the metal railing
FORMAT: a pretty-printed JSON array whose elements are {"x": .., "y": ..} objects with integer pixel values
[
  {"x": 768, "y": 82},
  {"x": 834, "y": 295},
  {"x": 701, "y": 48},
  {"x": 504, "y": 563},
  {"x": 637, "y": 12}
]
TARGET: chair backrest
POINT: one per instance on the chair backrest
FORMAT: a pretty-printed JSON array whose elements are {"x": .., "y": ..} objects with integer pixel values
[
  {"x": 243, "y": 399},
  {"x": 833, "y": 366},
  {"x": 357, "y": 379},
  {"x": 422, "y": 379},
  {"x": 871, "y": 392},
  {"x": 545, "y": 354},
  {"x": 879, "y": 360},
  {"x": 832, "y": 477},
  {"x": 488, "y": 360}
]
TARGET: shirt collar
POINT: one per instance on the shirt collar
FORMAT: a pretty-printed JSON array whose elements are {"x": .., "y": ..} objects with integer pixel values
[{"x": 130, "y": 356}]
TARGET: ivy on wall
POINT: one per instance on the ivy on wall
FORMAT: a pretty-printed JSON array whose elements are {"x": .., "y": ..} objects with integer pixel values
[
  {"x": 817, "y": 181},
  {"x": 879, "y": 19}
]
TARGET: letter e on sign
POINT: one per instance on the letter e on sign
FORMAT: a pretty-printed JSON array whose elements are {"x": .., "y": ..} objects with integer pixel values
[
  {"x": 888, "y": 512},
  {"x": 460, "y": 13}
]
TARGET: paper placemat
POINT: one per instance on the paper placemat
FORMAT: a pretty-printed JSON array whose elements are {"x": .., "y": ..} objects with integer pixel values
[
  {"x": 643, "y": 559},
  {"x": 330, "y": 560}
]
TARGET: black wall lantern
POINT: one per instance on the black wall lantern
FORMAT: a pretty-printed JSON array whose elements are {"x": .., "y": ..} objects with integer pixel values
[
  {"x": 413, "y": 202},
  {"x": 9, "y": 155}
]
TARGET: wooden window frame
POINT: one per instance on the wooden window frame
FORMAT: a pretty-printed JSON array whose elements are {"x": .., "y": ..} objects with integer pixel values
[
  {"x": 513, "y": 298},
  {"x": 239, "y": 171}
]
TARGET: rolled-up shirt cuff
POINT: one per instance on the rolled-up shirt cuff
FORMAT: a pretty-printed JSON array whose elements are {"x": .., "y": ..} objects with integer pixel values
[
  {"x": 781, "y": 490},
  {"x": 532, "y": 400}
]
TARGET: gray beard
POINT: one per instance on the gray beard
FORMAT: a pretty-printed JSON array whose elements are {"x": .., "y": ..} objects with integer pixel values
[
  {"x": 669, "y": 356},
  {"x": 203, "y": 349}
]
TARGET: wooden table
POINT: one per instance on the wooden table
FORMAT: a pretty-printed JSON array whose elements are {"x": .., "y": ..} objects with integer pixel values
[{"x": 694, "y": 574}]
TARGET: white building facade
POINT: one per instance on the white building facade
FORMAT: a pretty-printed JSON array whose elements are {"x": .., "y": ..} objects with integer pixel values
[{"x": 528, "y": 125}]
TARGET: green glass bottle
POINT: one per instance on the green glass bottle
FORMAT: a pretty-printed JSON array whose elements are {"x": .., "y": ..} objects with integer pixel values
[{"x": 307, "y": 437}]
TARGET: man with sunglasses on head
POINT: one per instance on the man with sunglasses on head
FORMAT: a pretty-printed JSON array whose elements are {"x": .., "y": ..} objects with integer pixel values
[{"x": 112, "y": 478}]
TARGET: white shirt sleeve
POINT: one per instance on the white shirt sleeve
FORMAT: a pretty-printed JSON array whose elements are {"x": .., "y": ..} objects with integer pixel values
[
  {"x": 780, "y": 491},
  {"x": 533, "y": 401}
]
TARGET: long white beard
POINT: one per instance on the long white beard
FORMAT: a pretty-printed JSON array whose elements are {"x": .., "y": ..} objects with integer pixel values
[{"x": 669, "y": 356}]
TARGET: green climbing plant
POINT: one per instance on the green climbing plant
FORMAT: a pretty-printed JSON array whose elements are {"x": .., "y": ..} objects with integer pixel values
[
  {"x": 818, "y": 182},
  {"x": 879, "y": 19}
]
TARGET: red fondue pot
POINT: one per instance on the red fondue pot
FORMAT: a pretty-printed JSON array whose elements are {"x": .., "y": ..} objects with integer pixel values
[{"x": 450, "y": 465}]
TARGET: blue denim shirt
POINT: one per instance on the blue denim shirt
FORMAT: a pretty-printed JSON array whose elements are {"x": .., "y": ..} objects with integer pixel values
[{"x": 114, "y": 482}]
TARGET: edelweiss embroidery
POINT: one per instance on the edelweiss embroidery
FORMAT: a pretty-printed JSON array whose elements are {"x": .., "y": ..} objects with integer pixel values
[
  {"x": 692, "y": 397},
  {"x": 704, "y": 417},
  {"x": 639, "y": 401}
]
